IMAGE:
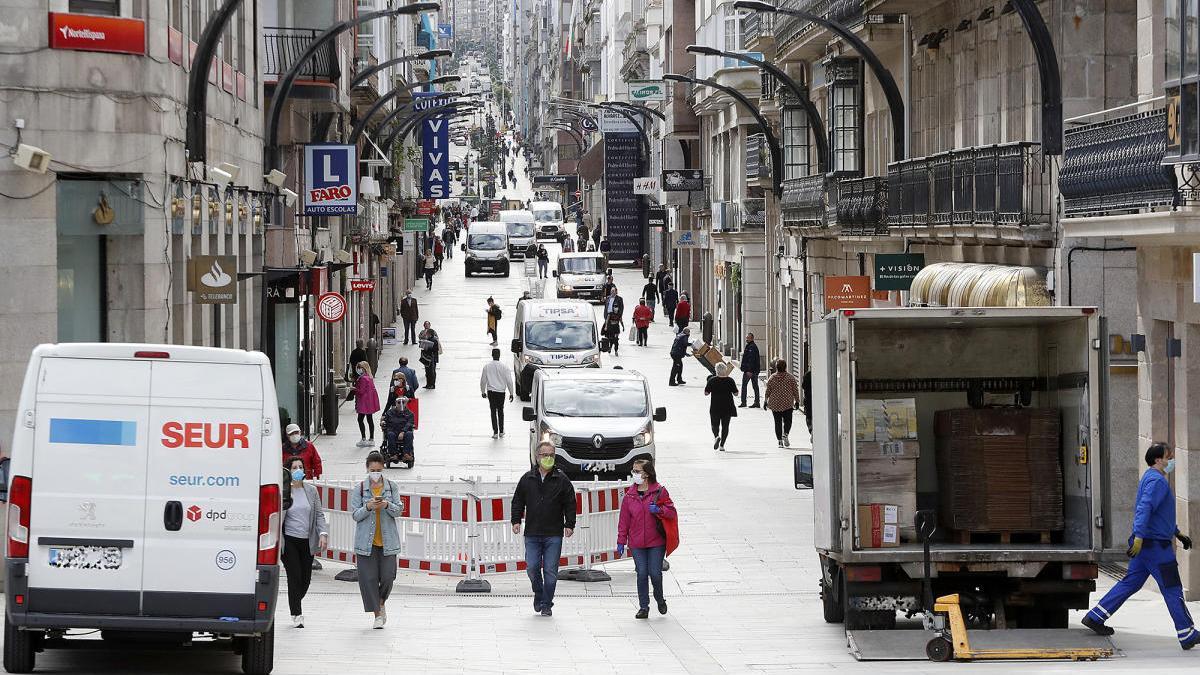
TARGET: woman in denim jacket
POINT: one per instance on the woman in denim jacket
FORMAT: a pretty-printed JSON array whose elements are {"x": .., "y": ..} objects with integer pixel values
[{"x": 375, "y": 505}]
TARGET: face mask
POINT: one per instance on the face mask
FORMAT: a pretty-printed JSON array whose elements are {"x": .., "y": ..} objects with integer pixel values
[
  {"x": 639, "y": 478},
  {"x": 297, "y": 475},
  {"x": 361, "y": 371},
  {"x": 375, "y": 476},
  {"x": 546, "y": 463},
  {"x": 295, "y": 438},
  {"x": 1170, "y": 465}
]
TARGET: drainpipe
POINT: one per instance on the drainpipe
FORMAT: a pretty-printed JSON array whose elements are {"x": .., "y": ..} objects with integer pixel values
[{"x": 906, "y": 78}]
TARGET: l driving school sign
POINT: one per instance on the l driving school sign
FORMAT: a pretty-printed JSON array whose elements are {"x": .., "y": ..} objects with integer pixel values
[{"x": 330, "y": 180}]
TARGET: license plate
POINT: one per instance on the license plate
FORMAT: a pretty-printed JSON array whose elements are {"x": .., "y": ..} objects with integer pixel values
[{"x": 86, "y": 557}]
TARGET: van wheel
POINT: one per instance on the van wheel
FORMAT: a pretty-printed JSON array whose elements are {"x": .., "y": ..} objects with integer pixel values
[
  {"x": 19, "y": 649},
  {"x": 833, "y": 608},
  {"x": 258, "y": 653}
]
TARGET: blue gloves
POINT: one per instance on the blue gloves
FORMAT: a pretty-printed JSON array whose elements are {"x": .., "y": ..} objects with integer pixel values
[
  {"x": 620, "y": 550},
  {"x": 653, "y": 508}
]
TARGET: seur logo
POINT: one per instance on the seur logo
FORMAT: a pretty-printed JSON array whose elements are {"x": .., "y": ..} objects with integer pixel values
[{"x": 194, "y": 513}]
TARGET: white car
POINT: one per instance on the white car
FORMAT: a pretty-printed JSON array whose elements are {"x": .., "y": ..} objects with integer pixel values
[
  {"x": 599, "y": 420},
  {"x": 144, "y": 498}
]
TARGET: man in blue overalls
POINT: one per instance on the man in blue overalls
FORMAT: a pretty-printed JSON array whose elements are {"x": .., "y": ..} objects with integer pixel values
[{"x": 1151, "y": 552}]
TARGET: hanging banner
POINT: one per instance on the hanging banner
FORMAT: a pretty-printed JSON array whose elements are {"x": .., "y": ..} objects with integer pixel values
[
  {"x": 330, "y": 180},
  {"x": 213, "y": 279},
  {"x": 645, "y": 185},
  {"x": 647, "y": 90},
  {"x": 622, "y": 208},
  {"x": 847, "y": 293},
  {"x": 435, "y": 142},
  {"x": 682, "y": 180}
]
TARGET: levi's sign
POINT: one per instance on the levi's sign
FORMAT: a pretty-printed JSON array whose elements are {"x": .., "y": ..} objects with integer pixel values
[{"x": 330, "y": 180}]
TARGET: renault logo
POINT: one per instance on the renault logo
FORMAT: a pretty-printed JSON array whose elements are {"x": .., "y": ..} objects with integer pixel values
[{"x": 598, "y": 441}]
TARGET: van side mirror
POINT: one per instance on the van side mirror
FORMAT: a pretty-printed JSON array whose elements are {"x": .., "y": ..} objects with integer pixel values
[
  {"x": 528, "y": 414},
  {"x": 516, "y": 346},
  {"x": 803, "y": 469},
  {"x": 660, "y": 414},
  {"x": 554, "y": 273},
  {"x": 463, "y": 247}
]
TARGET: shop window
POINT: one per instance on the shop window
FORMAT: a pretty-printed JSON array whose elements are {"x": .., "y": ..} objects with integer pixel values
[{"x": 101, "y": 7}]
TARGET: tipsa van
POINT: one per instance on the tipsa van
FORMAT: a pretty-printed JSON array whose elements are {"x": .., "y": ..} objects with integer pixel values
[
  {"x": 144, "y": 500},
  {"x": 520, "y": 231},
  {"x": 553, "y": 333},
  {"x": 549, "y": 219},
  {"x": 486, "y": 248}
]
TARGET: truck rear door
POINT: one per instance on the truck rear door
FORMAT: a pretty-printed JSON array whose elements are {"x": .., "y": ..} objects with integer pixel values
[
  {"x": 826, "y": 444},
  {"x": 87, "y": 512},
  {"x": 202, "y": 485}
]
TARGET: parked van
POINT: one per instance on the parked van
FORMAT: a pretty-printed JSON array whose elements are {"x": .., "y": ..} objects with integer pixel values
[
  {"x": 520, "y": 231},
  {"x": 487, "y": 248},
  {"x": 581, "y": 275},
  {"x": 562, "y": 333},
  {"x": 549, "y": 219},
  {"x": 144, "y": 499},
  {"x": 599, "y": 421}
]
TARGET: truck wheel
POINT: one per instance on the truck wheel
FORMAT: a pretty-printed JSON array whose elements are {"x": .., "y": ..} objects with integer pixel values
[
  {"x": 833, "y": 608},
  {"x": 258, "y": 653},
  {"x": 19, "y": 649},
  {"x": 939, "y": 649}
]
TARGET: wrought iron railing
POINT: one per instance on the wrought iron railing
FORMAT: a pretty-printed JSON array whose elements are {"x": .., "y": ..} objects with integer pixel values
[
  {"x": 1116, "y": 166},
  {"x": 282, "y": 46},
  {"x": 1007, "y": 184},
  {"x": 862, "y": 206},
  {"x": 755, "y": 26},
  {"x": 754, "y": 214},
  {"x": 803, "y": 203},
  {"x": 758, "y": 163},
  {"x": 789, "y": 27}
]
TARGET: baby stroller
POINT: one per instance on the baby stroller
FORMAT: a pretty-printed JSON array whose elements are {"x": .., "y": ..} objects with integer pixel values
[{"x": 398, "y": 420}]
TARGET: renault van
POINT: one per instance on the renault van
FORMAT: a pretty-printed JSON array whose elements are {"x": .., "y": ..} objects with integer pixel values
[
  {"x": 553, "y": 333},
  {"x": 520, "y": 231},
  {"x": 144, "y": 500},
  {"x": 486, "y": 248},
  {"x": 549, "y": 219},
  {"x": 580, "y": 275},
  {"x": 599, "y": 420}
]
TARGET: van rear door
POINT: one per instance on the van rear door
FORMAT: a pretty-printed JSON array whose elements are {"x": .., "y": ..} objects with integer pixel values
[
  {"x": 202, "y": 487},
  {"x": 87, "y": 514}
]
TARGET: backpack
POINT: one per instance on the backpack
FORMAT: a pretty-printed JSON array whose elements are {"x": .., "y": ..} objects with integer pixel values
[{"x": 497, "y": 312}]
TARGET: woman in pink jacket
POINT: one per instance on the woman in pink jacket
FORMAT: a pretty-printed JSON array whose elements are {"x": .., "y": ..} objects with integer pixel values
[
  {"x": 366, "y": 403},
  {"x": 645, "y": 502}
]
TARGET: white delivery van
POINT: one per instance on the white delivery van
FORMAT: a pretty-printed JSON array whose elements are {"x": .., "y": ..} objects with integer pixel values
[
  {"x": 599, "y": 420},
  {"x": 580, "y": 275},
  {"x": 144, "y": 499},
  {"x": 553, "y": 333},
  {"x": 520, "y": 231},
  {"x": 549, "y": 219},
  {"x": 487, "y": 248}
]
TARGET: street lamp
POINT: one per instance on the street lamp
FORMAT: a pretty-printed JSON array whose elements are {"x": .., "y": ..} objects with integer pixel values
[
  {"x": 890, "y": 91},
  {"x": 361, "y": 124},
  {"x": 284, "y": 88},
  {"x": 403, "y": 129},
  {"x": 411, "y": 111},
  {"x": 814, "y": 117},
  {"x": 423, "y": 56},
  {"x": 196, "y": 140},
  {"x": 772, "y": 142}
]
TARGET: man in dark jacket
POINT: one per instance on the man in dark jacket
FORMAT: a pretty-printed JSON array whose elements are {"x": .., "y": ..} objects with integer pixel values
[
  {"x": 614, "y": 304},
  {"x": 545, "y": 498},
  {"x": 650, "y": 293},
  {"x": 398, "y": 423},
  {"x": 750, "y": 369},
  {"x": 678, "y": 351},
  {"x": 409, "y": 314},
  {"x": 670, "y": 298}
]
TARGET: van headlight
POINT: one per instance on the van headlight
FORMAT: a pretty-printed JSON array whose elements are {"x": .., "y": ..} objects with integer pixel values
[
  {"x": 548, "y": 434},
  {"x": 565, "y": 288},
  {"x": 533, "y": 360},
  {"x": 644, "y": 438},
  {"x": 588, "y": 360}
]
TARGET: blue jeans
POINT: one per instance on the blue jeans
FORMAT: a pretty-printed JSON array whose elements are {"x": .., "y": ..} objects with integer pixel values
[
  {"x": 541, "y": 563},
  {"x": 649, "y": 564}
]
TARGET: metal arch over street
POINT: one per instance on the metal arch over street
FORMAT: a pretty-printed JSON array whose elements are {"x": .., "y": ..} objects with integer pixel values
[
  {"x": 197, "y": 100},
  {"x": 431, "y": 54},
  {"x": 404, "y": 128},
  {"x": 361, "y": 124}
]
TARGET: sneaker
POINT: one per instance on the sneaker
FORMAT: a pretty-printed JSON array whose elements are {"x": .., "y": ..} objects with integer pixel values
[
  {"x": 662, "y": 606},
  {"x": 786, "y": 442},
  {"x": 716, "y": 442},
  {"x": 377, "y": 624},
  {"x": 1100, "y": 629},
  {"x": 537, "y": 609},
  {"x": 642, "y": 613},
  {"x": 781, "y": 443},
  {"x": 546, "y": 611},
  {"x": 682, "y": 382},
  {"x": 298, "y": 621},
  {"x": 756, "y": 405},
  {"x": 383, "y": 613},
  {"x": 722, "y": 448},
  {"x": 501, "y": 434},
  {"x": 316, "y": 564},
  {"x": 495, "y": 436}
]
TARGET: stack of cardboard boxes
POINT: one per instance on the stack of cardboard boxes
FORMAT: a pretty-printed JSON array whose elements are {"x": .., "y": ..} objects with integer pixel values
[{"x": 886, "y": 457}]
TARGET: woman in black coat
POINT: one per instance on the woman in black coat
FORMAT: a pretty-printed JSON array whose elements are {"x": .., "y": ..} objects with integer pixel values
[
  {"x": 721, "y": 408},
  {"x": 611, "y": 329}
]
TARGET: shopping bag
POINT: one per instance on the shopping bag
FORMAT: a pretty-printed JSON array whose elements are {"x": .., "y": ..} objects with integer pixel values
[
  {"x": 632, "y": 333},
  {"x": 415, "y": 406},
  {"x": 668, "y": 529}
]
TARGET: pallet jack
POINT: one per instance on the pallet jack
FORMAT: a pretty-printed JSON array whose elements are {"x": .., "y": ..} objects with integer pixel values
[{"x": 944, "y": 618}]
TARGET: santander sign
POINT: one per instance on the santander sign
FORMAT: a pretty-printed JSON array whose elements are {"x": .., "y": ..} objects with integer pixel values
[{"x": 86, "y": 32}]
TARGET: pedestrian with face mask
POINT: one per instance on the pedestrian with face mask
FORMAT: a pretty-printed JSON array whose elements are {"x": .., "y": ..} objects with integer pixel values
[
  {"x": 296, "y": 445},
  {"x": 375, "y": 505},
  {"x": 545, "y": 500},
  {"x": 431, "y": 350},
  {"x": 751, "y": 365},
  {"x": 493, "y": 313},
  {"x": 783, "y": 397},
  {"x": 1151, "y": 552},
  {"x": 409, "y": 313},
  {"x": 366, "y": 404},
  {"x": 721, "y": 407},
  {"x": 645, "y": 502},
  {"x": 305, "y": 534}
]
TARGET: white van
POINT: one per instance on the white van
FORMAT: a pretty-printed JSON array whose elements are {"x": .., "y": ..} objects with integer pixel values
[
  {"x": 600, "y": 421},
  {"x": 144, "y": 499},
  {"x": 549, "y": 219},
  {"x": 487, "y": 248},
  {"x": 553, "y": 333},
  {"x": 520, "y": 231},
  {"x": 580, "y": 275}
]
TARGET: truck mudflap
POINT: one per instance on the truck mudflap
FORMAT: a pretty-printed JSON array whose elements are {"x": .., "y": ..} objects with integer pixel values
[{"x": 909, "y": 645}]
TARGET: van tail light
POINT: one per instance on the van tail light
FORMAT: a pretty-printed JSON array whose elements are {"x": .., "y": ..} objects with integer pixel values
[
  {"x": 151, "y": 355},
  {"x": 19, "y": 498},
  {"x": 1080, "y": 571},
  {"x": 268, "y": 524},
  {"x": 864, "y": 573}
]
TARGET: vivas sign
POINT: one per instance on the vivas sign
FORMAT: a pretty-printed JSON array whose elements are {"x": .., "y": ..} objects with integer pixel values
[{"x": 435, "y": 142}]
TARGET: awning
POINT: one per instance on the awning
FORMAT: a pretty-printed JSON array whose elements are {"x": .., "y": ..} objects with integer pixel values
[
  {"x": 977, "y": 285},
  {"x": 591, "y": 164}
]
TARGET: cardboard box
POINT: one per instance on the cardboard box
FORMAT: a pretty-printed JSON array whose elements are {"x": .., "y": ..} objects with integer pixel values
[
  {"x": 878, "y": 525},
  {"x": 882, "y": 420},
  {"x": 890, "y": 481},
  {"x": 904, "y": 449}
]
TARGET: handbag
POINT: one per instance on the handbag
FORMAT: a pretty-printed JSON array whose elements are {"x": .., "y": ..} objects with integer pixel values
[
  {"x": 605, "y": 345},
  {"x": 668, "y": 529},
  {"x": 350, "y": 396}
]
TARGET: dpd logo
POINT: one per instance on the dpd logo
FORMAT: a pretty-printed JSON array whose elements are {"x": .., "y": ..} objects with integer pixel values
[{"x": 194, "y": 513}]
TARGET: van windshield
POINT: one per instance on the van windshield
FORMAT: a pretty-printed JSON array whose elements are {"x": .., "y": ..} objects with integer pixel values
[
  {"x": 595, "y": 398},
  {"x": 580, "y": 265},
  {"x": 548, "y": 216},
  {"x": 485, "y": 242},
  {"x": 520, "y": 229},
  {"x": 560, "y": 335}
]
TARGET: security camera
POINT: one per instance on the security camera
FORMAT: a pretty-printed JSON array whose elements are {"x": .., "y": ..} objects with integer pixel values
[
  {"x": 308, "y": 257},
  {"x": 290, "y": 198},
  {"x": 32, "y": 158},
  {"x": 388, "y": 204},
  {"x": 343, "y": 256},
  {"x": 219, "y": 176},
  {"x": 232, "y": 169},
  {"x": 276, "y": 177}
]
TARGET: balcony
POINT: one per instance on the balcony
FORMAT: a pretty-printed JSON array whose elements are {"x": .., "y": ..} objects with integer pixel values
[
  {"x": 1116, "y": 166},
  {"x": 804, "y": 202},
  {"x": 758, "y": 158},
  {"x": 726, "y": 217},
  {"x": 826, "y": 206},
  {"x": 282, "y": 46},
  {"x": 754, "y": 214},
  {"x": 862, "y": 206},
  {"x": 1003, "y": 186},
  {"x": 636, "y": 64},
  {"x": 758, "y": 31},
  {"x": 790, "y": 28}
]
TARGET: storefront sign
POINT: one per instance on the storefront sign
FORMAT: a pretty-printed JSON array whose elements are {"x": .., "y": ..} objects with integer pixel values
[
  {"x": 362, "y": 285},
  {"x": 426, "y": 207},
  {"x": 691, "y": 239},
  {"x": 623, "y": 209},
  {"x": 331, "y": 307},
  {"x": 613, "y": 122},
  {"x": 435, "y": 144},
  {"x": 680, "y": 180},
  {"x": 896, "y": 271},
  {"x": 552, "y": 179},
  {"x": 656, "y": 217},
  {"x": 213, "y": 278},
  {"x": 416, "y": 224},
  {"x": 330, "y": 180},
  {"x": 90, "y": 33},
  {"x": 847, "y": 293},
  {"x": 647, "y": 90},
  {"x": 645, "y": 186}
]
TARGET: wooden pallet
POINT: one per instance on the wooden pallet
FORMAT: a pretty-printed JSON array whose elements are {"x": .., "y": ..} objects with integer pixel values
[{"x": 1002, "y": 537}]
